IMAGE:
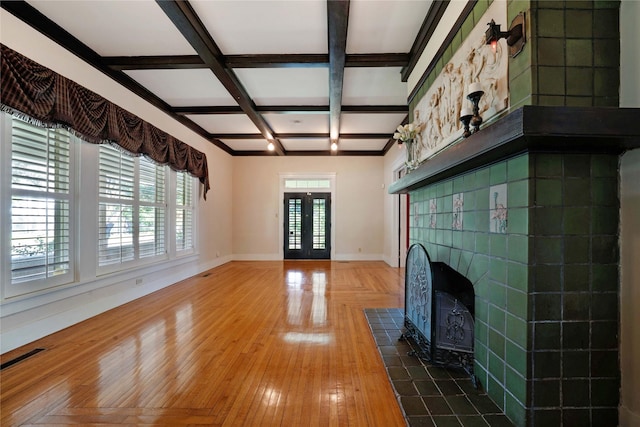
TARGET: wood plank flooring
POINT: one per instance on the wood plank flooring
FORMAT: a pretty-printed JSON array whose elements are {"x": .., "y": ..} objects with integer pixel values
[{"x": 250, "y": 344}]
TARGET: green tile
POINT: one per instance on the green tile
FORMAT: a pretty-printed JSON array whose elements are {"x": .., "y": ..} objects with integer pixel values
[
  {"x": 547, "y": 336},
  {"x": 606, "y": 81},
  {"x": 496, "y": 391},
  {"x": 482, "y": 177},
  {"x": 604, "y": 363},
  {"x": 515, "y": 410},
  {"x": 482, "y": 221},
  {"x": 482, "y": 243},
  {"x": 575, "y": 335},
  {"x": 518, "y": 194},
  {"x": 547, "y": 221},
  {"x": 498, "y": 270},
  {"x": 605, "y": 306},
  {"x": 496, "y": 318},
  {"x": 518, "y": 248},
  {"x": 551, "y": 80},
  {"x": 498, "y": 173},
  {"x": 518, "y": 220},
  {"x": 456, "y": 239},
  {"x": 604, "y": 220},
  {"x": 520, "y": 87},
  {"x": 550, "y": 23},
  {"x": 465, "y": 261},
  {"x": 579, "y": 101},
  {"x": 604, "y": 249},
  {"x": 605, "y": 392},
  {"x": 576, "y": 277},
  {"x": 517, "y": 276},
  {"x": 517, "y": 303},
  {"x": 458, "y": 185},
  {"x": 470, "y": 182},
  {"x": 604, "y": 277},
  {"x": 546, "y": 364},
  {"x": 498, "y": 244},
  {"x": 517, "y": 330},
  {"x": 579, "y": 23},
  {"x": 604, "y": 166},
  {"x": 548, "y": 192},
  {"x": 577, "y": 220},
  {"x": 546, "y": 393},
  {"x": 497, "y": 294},
  {"x": 575, "y": 306},
  {"x": 468, "y": 239},
  {"x": 547, "y": 307},
  {"x": 548, "y": 165},
  {"x": 577, "y": 249},
  {"x": 577, "y": 165},
  {"x": 604, "y": 335},
  {"x": 496, "y": 367},
  {"x": 575, "y": 392},
  {"x": 604, "y": 191},
  {"x": 496, "y": 342},
  {"x": 481, "y": 199},
  {"x": 579, "y": 81},
  {"x": 518, "y": 168},
  {"x": 579, "y": 53},
  {"x": 551, "y": 100},
  {"x": 548, "y": 250},
  {"x": 608, "y": 19},
  {"x": 551, "y": 51},
  {"x": 516, "y": 384},
  {"x": 548, "y": 278},
  {"x": 481, "y": 310},
  {"x": 606, "y": 52},
  {"x": 478, "y": 268},
  {"x": 577, "y": 192},
  {"x": 575, "y": 363}
]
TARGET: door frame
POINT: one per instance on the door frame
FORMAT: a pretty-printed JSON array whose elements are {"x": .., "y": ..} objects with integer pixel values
[{"x": 331, "y": 176}]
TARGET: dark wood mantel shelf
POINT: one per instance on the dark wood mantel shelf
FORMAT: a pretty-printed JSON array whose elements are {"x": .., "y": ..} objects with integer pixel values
[{"x": 531, "y": 129}]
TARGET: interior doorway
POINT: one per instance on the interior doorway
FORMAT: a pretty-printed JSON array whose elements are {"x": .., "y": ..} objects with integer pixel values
[{"x": 307, "y": 225}]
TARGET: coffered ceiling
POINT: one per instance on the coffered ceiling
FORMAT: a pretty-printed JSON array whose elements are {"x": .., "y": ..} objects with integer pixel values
[{"x": 242, "y": 73}]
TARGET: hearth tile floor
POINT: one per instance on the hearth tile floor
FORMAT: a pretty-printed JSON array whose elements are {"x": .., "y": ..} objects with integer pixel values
[{"x": 429, "y": 396}]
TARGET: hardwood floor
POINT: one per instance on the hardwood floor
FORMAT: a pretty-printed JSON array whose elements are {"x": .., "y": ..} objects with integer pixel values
[{"x": 245, "y": 344}]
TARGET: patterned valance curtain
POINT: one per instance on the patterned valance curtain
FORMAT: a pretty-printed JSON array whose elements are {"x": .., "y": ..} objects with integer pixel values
[{"x": 39, "y": 94}]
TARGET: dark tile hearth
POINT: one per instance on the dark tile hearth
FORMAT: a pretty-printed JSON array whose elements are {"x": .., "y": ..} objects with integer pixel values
[{"x": 429, "y": 396}]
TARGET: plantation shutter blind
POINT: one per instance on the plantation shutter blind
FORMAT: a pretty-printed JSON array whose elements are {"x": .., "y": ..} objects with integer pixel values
[
  {"x": 152, "y": 209},
  {"x": 40, "y": 203},
  {"x": 184, "y": 212}
]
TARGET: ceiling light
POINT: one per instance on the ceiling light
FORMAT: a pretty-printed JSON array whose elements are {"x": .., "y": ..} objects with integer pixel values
[
  {"x": 334, "y": 146},
  {"x": 271, "y": 147}
]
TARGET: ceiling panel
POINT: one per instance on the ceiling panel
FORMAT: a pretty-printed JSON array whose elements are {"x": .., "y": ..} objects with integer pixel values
[
  {"x": 246, "y": 144},
  {"x": 374, "y": 85},
  {"x": 369, "y": 123},
  {"x": 362, "y": 144},
  {"x": 224, "y": 123},
  {"x": 296, "y": 123},
  {"x": 180, "y": 88},
  {"x": 262, "y": 27},
  {"x": 117, "y": 28},
  {"x": 281, "y": 62},
  {"x": 306, "y": 144},
  {"x": 286, "y": 86},
  {"x": 384, "y": 26}
]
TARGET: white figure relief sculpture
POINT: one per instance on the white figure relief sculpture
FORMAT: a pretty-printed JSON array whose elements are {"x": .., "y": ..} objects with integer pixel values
[{"x": 474, "y": 61}]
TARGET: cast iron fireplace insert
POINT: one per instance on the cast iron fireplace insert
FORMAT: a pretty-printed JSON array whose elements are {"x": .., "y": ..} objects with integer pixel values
[{"x": 438, "y": 312}]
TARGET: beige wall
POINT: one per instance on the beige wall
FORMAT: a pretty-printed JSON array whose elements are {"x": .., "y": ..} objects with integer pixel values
[
  {"x": 630, "y": 223},
  {"x": 29, "y": 318},
  {"x": 358, "y": 204}
]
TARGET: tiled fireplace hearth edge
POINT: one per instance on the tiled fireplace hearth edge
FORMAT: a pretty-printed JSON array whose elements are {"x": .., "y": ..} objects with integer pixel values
[{"x": 546, "y": 278}]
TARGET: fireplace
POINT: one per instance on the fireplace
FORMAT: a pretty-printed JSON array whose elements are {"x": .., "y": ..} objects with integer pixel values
[{"x": 439, "y": 311}]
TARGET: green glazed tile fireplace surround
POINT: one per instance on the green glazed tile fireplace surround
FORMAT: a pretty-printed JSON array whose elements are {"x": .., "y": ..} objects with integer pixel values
[{"x": 546, "y": 346}]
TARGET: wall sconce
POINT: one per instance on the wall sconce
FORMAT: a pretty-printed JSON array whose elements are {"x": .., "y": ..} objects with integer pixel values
[
  {"x": 515, "y": 36},
  {"x": 472, "y": 116}
]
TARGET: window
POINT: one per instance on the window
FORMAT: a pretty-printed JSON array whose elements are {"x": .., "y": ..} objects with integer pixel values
[
  {"x": 132, "y": 209},
  {"x": 41, "y": 200},
  {"x": 184, "y": 212}
]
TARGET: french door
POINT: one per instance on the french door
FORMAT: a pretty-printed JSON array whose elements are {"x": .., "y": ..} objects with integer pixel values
[{"x": 307, "y": 226}]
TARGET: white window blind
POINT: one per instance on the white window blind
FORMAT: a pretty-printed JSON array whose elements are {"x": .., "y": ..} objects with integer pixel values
[
  {"x": 184, "y": 212},
  {"x": 132, "y": 208},
  {"x": 41, "y": 196}
]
